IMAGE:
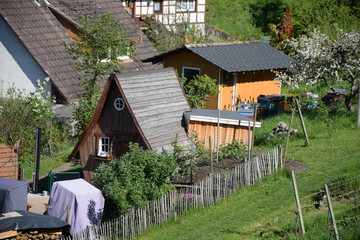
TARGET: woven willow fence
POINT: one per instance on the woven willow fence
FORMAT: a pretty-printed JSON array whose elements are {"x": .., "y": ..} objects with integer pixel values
[{"x": 204, "y": 193}]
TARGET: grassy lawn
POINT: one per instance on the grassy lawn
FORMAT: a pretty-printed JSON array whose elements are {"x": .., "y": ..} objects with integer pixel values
[
  {"x": 268, "y": 208},
  {"x": 233, "y": 17}
]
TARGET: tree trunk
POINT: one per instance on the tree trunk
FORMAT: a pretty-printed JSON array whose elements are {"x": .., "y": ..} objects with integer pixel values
[{"x": 348, "y": 104}]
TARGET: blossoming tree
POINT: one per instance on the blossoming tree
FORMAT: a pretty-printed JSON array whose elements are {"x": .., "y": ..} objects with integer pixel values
[{"x": 325, "y": 60}]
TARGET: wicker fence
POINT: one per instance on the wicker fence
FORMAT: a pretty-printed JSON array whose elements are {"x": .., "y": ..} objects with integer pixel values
[{"x": 204, "y": 193}]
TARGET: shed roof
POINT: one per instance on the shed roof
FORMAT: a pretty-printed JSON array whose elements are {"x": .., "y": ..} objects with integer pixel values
[
  {"x": 158, "y": 103},
  {"x": 236, "y": 56},
  {"x": 41, "y": 33},
  {"x": 224, "y": 117}
]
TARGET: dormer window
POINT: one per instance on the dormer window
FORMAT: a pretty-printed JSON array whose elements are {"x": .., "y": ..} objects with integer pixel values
[
  {"x": 185, "y": 6},
  {"x": 117, "y": 54},
  {"x": 104, "y": 147}
]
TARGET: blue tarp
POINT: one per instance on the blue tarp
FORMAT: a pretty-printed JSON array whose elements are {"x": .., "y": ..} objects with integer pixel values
[
  {"x": 27, "y": 220},
  {"x": 13, "y": 195}
]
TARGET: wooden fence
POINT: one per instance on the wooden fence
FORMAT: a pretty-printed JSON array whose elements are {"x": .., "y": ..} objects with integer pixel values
[
  {"x": 9, "y": 166},
  {"x": 204, "y": 193}
]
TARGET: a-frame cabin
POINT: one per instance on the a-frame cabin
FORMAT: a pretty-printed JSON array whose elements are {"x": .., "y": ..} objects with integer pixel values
[{"x": 144, "y": 107}]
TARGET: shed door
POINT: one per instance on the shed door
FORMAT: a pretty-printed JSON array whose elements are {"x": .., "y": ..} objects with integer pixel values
[{"x": 227, "y": 91}]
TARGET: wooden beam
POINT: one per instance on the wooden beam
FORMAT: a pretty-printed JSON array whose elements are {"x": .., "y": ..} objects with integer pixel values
[{"x": 8, "y": 234}]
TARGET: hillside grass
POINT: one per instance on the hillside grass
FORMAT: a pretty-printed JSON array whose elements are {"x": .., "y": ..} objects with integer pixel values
[
  {"x": 233, "y": 17},
  {"x": 250, "y": 19},
  {"x": 269, "y": 206}
]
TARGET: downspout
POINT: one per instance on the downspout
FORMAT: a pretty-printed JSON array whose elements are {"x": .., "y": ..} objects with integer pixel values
[
  {"x": 218, "y": 123},
  {"x": 234, "y": 92}
]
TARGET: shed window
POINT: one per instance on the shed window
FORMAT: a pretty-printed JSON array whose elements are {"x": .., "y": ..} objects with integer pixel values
[
  {"x": 104, "y": 147},
  {"x": 185, "y": 6},
  {"x": 190, "y": 73}
]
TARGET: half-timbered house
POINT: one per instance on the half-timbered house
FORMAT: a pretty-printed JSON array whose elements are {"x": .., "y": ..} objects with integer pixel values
[{"x": 169, "y": 13}]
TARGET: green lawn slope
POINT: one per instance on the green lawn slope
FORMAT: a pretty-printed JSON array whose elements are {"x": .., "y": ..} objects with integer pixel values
[{"x": 268, "y": 208}]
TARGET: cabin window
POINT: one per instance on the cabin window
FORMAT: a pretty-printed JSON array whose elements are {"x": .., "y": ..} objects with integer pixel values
[
  {"x": 185, "y": 6},
  {"x": 115, "y": 54},
  {"x": 190, "y": 73},
  {"x": 157, "y": 6},
  {"x": 119, "y": 104},
  {"x": 104, "y": 147}
]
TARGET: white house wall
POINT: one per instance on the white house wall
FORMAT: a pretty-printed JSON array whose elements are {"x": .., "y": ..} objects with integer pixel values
[
  {"x": 169, "y": 15},
  {"x": 17, "y": 67}
]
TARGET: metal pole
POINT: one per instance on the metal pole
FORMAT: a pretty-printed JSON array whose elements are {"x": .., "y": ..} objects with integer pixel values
[
  {"x": 302, "y": 122},
  {"x": 249, "y": 141},
  {"x": 192, "y": 156},
  {"x": 218, "y": 123},
  {"x": 253, "y": 130},
  {"x": 331, "y": 212},
  {"x": 298, "y": 202},
  {"x": 37, "y": 161},
  {"x": 210, "y": 150}
]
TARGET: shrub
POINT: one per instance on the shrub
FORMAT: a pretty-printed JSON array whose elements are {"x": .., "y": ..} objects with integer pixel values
[
  {"x": 134, "y": 179},
  {"x": 21, "y": 113},
  {"x": 234, "y": 150}
]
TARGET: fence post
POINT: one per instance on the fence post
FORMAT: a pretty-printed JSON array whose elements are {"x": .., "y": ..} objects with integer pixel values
[
  {"x": 331, "y": 212},
  {"x": 288, "y": 133},
  {"x": 302, "y": 122},
  {"x": 298, "y": 202}
]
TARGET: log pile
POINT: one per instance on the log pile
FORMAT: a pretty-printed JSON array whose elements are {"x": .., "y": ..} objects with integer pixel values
[{"x": 31, "y": 234}]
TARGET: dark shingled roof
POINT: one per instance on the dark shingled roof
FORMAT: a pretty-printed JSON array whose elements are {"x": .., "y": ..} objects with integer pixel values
[
  {"x": 42, "y": 34},
  {"x": 237, "y": 56}
]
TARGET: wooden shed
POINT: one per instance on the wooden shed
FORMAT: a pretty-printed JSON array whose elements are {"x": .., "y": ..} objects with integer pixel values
[
  {"x": 144, "y": 107},
  {"x": 230, "y": 126},
  {"x": 9, "y": 166},
  {"x": 243, "y": 69}
]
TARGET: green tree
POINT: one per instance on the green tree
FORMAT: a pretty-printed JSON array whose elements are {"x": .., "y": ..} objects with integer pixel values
[
  {"x": 21, "y": 113},
  {"x": 198, "y": 89},
  {"x": 166, "y": 39},
  {"x": 100, "y": 43},
  {"x": 134, "y": 179},
  {"x": 326, "y": 61}
]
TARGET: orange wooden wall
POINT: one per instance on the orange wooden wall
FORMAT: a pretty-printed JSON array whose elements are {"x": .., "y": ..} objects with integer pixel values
[
  {"x": 249, "y": 84},
  {"x": 188, "y": 59},
  {"x": 228, "y": 133},
  {"x": 252, "y": 84}
]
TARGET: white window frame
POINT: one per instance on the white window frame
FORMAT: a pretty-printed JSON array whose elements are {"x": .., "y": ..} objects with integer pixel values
[
  {"x": 122, "y": 58},
  {"x": 103, "y": 147},
  {"x": 159, "y": 5},
  {"x": 185, "y": 6}
]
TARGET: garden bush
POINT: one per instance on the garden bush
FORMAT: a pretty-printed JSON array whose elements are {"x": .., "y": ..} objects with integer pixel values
[{"x": 134, "y": 179}]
